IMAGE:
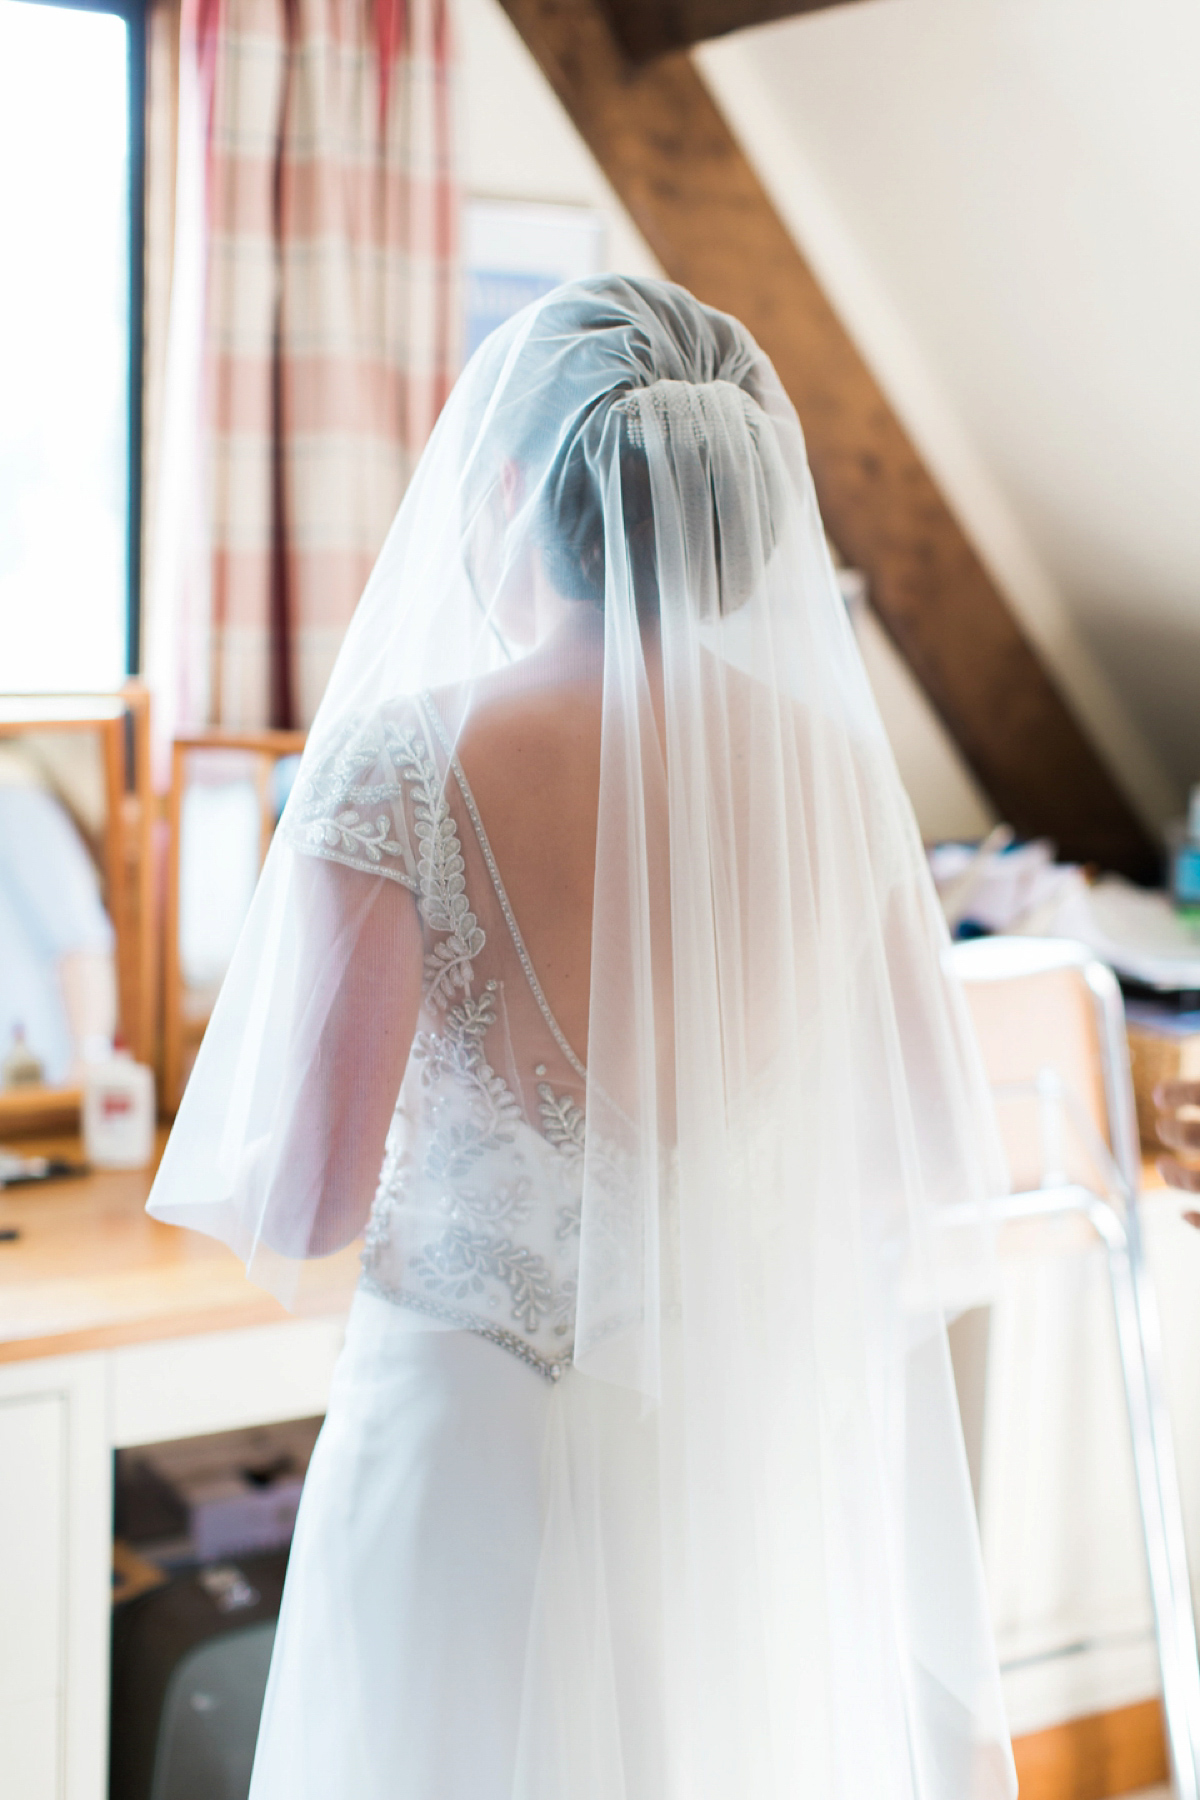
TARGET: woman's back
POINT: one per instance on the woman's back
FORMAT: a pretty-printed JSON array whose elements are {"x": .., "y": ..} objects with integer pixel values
[{"x": 531, "y": 756}]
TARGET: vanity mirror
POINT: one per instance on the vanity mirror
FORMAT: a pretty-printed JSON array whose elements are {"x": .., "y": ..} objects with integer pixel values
[
  {"x": 76, "y": 948},
  {"x": 227, "y": 792}
]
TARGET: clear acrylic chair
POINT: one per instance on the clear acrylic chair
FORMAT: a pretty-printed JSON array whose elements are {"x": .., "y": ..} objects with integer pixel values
[{"x": 1051, "y": 1026}]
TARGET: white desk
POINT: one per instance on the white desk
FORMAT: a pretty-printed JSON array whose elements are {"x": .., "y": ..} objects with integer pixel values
[{"x": 114, "y": 1330}]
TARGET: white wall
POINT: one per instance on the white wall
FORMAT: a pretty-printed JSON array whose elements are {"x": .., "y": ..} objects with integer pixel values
[
  {"x": 519, "y": 144},
  {"x": 948, "y": 801},
  {"x": 1003, "y": 200}
]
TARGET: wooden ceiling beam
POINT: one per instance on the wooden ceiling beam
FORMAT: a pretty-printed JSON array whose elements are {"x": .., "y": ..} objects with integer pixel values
[
  {"x": 647, "y": 28},
  {"x": 666, "y": 148}
]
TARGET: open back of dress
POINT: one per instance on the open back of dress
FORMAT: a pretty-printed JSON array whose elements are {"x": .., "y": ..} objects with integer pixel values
[{"x": 476, "y": 1219}]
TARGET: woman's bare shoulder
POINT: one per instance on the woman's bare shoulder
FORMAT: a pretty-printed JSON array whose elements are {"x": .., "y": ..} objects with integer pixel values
[{"x": 542, "y": 739}]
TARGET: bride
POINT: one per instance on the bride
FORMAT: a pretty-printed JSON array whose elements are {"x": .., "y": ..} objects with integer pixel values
[{"x": 595, "y": 981}]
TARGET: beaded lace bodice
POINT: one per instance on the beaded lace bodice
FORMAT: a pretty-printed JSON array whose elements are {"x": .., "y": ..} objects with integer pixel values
[{"x": 476, "y": 1216}]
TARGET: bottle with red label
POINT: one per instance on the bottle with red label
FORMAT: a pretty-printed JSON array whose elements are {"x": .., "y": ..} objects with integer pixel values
[{"x": 118, "y": 1112}]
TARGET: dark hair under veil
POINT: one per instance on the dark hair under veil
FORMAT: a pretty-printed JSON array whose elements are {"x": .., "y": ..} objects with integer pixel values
[{"x": 580, "y": 338}]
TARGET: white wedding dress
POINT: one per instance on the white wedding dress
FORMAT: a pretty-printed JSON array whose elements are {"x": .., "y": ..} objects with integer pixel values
[{"x": 429, "y": 1647}]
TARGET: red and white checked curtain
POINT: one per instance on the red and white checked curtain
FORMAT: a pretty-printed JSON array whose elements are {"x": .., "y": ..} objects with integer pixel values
[{"x": 326, "y": 297}]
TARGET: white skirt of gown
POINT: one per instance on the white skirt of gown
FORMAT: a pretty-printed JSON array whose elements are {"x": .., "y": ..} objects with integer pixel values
[
  {"x": 487, "y": 1600},
  {"x": 453, "y": 1627}
]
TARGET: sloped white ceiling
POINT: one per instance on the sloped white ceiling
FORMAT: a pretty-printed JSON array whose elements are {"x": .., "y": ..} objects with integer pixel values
[{"x": 1021, "y": 179}]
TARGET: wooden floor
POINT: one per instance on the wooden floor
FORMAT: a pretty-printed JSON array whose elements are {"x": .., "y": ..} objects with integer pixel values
[
  {"x": 1108, "y": 1754},
  {"x": 86, "y": 1268}
]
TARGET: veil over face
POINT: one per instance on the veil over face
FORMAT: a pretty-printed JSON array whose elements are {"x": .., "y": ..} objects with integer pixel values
[{"x": 782, "y": 1097}]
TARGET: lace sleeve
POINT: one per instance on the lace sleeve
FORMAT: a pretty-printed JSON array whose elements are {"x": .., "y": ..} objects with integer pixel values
[{"x": 349, "y": 807}]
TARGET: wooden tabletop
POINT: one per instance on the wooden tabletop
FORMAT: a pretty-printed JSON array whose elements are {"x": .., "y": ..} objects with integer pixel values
[{"x": 90, "y": 1269}]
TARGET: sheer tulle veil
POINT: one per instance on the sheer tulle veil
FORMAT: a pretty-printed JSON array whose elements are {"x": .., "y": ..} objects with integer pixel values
[{"x": 783, "y": 1099}]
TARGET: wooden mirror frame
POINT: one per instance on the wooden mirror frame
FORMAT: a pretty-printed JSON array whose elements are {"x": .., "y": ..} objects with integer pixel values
[
  {"x": 122, "y": 722},
  {"x": 181, "y": 1032}
]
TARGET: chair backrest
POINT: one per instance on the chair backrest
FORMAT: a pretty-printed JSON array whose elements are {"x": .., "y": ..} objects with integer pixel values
[{"x": 1049, "y": 1017}]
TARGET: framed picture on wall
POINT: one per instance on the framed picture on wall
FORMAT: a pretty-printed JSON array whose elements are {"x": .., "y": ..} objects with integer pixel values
[{"x": 516, "y": 251}]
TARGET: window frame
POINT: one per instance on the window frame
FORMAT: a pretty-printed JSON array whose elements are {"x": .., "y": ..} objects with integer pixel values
[{"x": 133, "y": 12}]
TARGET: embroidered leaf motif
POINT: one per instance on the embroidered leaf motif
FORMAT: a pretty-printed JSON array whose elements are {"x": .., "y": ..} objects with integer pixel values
[
  {"x": 440, "y": 873},
  {"x": 462, "y": 1260},
  {"x": 569, "y": 1223},
  {"x": 508, "y": 1203},
  {"x": 349, "y": 831},
  {"x": 453, "y": 1151},
  {"x": 566, "y": 1295},
  {"x": 562, "y": 1121},
  {"x": 336, "y": 812}
]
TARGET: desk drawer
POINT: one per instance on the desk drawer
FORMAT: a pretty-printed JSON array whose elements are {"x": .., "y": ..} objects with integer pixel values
[
  {"x": 31, "y": 1740},
  {"x": 186, "y": 1387},
  {"x": 33, "y": 1498}
]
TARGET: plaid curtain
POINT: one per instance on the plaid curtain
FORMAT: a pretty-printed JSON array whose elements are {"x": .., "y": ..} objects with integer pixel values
[{"x": 328, "y": 308}]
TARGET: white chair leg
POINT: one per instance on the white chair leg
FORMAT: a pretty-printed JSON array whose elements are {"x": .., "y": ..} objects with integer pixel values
[
  {"x": 1158, "y": 1498},
  {"x": 1155, "y": 1473}
]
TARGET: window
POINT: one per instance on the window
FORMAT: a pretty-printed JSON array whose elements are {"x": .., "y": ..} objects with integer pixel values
[
  {"x": 71, "y": 88},
  {"x": 516, "y": 251}
]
